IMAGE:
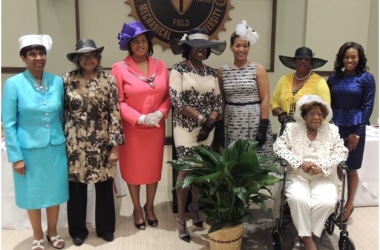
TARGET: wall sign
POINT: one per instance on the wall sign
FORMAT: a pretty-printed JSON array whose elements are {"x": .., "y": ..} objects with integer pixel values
[{"x": 172, "y": 18}]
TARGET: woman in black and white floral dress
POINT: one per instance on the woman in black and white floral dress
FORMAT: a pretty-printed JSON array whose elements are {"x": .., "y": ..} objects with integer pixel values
[{"x": 197, "y": 104}]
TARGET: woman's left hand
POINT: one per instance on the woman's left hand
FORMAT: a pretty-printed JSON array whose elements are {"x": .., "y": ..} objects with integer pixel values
[
  {"x": 352, "y": 141},
  {"x": 114, "y": 155}
]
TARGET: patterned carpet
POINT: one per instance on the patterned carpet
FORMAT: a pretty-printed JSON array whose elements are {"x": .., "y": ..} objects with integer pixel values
[{"x": 258, "y": 234}]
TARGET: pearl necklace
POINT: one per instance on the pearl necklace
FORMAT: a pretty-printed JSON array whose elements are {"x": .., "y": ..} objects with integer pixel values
[
  {"x": 196, "y": 71},
  {"x": 301, "y": 79},
  {"x": 233, "y": 63},
  {"x": 39, "y": 87}
]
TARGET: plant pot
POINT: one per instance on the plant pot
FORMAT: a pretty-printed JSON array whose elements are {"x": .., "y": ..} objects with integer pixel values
[{"x": 228, "y": 238}]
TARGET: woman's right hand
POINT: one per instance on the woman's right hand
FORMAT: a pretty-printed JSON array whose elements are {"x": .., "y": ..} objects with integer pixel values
[{"x": 19, "y": 167}]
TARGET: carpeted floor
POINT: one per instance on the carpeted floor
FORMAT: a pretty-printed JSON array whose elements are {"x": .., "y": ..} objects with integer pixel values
[{"x": 258, "y": 234}]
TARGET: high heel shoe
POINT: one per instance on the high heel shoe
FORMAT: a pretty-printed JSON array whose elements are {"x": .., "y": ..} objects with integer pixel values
[
  {"x": 38, "y": 245},
  {"x": 152, "y": 223},
  {"x": 139, "y": 226},
  {"x": 195, "y": 217},
  {"x": 56, "y": 241},
  {"x": 185, "y": 236}
]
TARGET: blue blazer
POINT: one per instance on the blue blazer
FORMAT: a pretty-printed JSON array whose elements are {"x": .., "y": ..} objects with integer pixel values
[{"x": 31, "y": 118}]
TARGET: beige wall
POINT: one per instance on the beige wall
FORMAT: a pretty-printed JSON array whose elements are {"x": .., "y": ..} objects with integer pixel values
[{"x": 102, "y": 20}]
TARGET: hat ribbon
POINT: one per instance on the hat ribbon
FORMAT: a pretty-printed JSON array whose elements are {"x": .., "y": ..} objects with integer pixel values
[
  {"x": 195, "y": 36},
  {"x": 123, "y": 37}
]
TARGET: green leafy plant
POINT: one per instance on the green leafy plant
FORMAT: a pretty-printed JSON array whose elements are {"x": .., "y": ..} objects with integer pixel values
[{"x": 228, "y": 181}]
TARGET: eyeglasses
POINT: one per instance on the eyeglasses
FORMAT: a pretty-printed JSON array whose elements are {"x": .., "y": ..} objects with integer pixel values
[
  {"x": 84, "y": 58},
  {"x": 303, "y": 58},
  {"x": 313, "y": 114},
  {"x": 137, "y": 42}
]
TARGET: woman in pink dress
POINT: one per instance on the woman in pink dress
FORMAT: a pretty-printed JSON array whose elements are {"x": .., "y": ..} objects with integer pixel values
[{"x": 143, "y": 84}]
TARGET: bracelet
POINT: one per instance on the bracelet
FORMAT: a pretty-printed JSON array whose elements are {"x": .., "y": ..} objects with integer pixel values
[{"x": 200, "y": 118}]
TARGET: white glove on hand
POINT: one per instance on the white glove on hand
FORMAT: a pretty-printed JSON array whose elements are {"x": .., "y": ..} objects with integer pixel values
[{"x": 153, "y": 119}]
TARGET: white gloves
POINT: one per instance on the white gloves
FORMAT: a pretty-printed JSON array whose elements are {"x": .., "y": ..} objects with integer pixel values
[{"x": 151, "y": 119}]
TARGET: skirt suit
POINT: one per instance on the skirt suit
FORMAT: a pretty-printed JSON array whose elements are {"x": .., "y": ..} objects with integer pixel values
[
  {"x": 142, "y": 154},
  {"x": 33, "y": 125},
  {"x": 352, "y": 100}
]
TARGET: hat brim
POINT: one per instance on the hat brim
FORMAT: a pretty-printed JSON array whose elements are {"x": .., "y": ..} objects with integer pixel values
[
  {"x": 288, "y": 62},
  {"x": 71, "y": 56},
  {"x": 217, "y": 47}
]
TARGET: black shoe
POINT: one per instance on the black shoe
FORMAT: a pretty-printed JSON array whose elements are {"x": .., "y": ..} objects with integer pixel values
[
  {"x": 139, "y": 226},
  {"x": 78, "y": 241},
  {"x": 195, "y": 217},
  {"x": 108, "y": 236},
  {"x": 183, "y": 233},
  {"x": 152, "y": 223}
]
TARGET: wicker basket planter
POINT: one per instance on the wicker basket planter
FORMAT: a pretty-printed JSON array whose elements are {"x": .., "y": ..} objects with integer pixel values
[{"x": 228, "y": 238}]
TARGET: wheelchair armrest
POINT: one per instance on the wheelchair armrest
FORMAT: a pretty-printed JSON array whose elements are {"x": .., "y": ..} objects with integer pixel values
[{"x": 343, "y": 165}]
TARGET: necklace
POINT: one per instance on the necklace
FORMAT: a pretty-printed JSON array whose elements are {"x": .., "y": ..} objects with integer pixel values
[
  {"x": 196, "y": 71},
  {"x": 311, "y": 137},
  {"x": 301, "y": 79},
  {"x": 233, "y": 63},
  {"x": 149, "y": 80},
  {"x": 39, "y": 87}
]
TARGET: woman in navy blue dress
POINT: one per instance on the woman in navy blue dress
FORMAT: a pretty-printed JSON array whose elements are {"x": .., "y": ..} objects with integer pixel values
[{"x": 352, "y": 90}]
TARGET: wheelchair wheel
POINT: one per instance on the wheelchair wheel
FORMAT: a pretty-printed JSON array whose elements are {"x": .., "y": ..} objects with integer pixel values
[
  {"x": 277, "y": 240},
  {"x": 345, "y": 243},
  {"x": 330, "y": 226}
]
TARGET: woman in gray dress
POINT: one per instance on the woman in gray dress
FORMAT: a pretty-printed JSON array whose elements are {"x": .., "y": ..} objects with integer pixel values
[{"x": 245, "y": 91}]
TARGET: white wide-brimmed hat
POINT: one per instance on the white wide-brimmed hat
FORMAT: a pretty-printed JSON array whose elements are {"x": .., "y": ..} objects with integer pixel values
[
  {"x": 34, "y": 39},
  {"x": 309, "y": 99}
]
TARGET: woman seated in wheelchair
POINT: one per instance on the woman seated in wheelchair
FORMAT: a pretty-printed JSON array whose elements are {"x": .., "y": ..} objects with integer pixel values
[{"x": 313, "y": 149}]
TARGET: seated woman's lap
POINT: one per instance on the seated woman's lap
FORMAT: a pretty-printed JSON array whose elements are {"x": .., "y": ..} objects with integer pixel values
[{"x": 317, "y": 192}]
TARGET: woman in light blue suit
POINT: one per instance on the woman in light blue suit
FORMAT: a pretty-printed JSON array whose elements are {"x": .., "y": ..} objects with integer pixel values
[{"x": 32, "y": 116}]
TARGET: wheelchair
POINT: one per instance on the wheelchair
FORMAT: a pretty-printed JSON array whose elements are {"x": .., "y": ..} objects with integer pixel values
[{"x": 335, "y": 219}]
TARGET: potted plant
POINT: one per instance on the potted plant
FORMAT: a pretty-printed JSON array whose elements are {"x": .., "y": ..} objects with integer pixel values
[{"x": 228, "y": 181}]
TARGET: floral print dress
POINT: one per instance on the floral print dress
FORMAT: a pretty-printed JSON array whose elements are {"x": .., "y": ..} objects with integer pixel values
[
  {"x": 92, "y": 126},
  {"x": 199, "y": 90}
]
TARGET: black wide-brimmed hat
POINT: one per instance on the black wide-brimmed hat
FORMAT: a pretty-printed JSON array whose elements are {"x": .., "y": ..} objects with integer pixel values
[
  {"x": 84, "y": 46},
  {"x": 197, "y": 40},
  {"x": 302, "y": 52}
]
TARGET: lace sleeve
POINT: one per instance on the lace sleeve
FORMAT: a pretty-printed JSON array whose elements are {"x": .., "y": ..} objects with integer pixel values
[
  {"x": 283, "y": 147},
  {"x": 337, "y": 152}
]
